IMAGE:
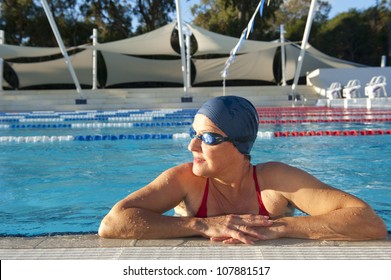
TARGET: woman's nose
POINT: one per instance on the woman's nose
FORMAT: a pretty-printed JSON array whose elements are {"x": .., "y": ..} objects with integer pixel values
[{"x": 194, "y": 145}]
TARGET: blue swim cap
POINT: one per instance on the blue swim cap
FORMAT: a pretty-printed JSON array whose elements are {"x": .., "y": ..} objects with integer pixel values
[{"x": 236, "y": 117}]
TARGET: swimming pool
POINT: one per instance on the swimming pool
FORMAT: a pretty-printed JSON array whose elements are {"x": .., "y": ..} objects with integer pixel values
[{"x": 60, "y": 172}]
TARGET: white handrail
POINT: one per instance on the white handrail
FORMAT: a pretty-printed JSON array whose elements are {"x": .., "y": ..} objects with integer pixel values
[
  {"x": 62, "y": 47},
  {"x": 310, "y": 18}
]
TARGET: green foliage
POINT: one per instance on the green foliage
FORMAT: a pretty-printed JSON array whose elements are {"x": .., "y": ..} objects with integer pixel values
[
  {"x": 230, "y": 17},
  {"x": 111, "y": 18},
  {"x": 359, "y": 36},
  {"x": 152, "y": 14},
  {"x": 17, "y": 16},
  {"x": 293, "y": 14},
  {"x": 25, "y": 23}
]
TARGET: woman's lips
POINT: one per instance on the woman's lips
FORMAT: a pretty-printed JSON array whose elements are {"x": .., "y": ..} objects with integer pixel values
[{"x": 198, "y": 160}]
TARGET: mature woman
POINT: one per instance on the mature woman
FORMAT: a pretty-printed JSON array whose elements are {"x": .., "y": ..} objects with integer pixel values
[{"x": 222, "y": 196}]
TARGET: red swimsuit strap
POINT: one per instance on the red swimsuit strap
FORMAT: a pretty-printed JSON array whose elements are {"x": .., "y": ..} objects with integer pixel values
[
  {"x": 203, "y": 210},
  {"x": 262, "y": 209}
]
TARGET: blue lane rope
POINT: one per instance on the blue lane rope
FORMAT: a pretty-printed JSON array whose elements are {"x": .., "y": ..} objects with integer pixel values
[
  {"x": 94, "y": 125},
  {"x": 123, "y": 137},
  {"x": 111, "y": 137},
  {"x": 121, "y": 115}
]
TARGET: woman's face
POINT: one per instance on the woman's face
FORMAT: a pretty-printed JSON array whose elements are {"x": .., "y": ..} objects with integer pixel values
[{"x": 209, "y": 160}]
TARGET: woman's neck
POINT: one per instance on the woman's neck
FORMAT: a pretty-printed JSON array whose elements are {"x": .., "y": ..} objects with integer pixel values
[{"x": 234, "y": 177}]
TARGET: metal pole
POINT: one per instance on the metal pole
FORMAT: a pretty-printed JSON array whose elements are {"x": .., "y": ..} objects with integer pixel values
[
  {"x": 188, "y": 57},
  {"x": 300, "y": 59},
  {"x": 383, "y": 61},
  {"x": 2, "y": 40},
  {"x": 185, "y": 98},
  {"x": 63, "y": 51},
  {"x": 282, "y": 37},
  {"x": 94, "y": 59}
]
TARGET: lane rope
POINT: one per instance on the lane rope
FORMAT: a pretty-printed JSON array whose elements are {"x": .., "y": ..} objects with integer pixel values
[
  {"x": 332, "y": 133},
  {"x": 178, "y": 136}
]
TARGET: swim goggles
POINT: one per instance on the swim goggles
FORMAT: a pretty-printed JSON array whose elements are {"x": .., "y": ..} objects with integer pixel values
[{"x": 209, "y": 138}]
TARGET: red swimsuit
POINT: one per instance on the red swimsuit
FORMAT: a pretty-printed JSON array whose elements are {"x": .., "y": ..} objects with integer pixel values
[{"x": 203, "y": 211}]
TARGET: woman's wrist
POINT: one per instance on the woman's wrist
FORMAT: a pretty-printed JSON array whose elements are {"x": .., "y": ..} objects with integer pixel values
[
  {"x": 198, "y": 225},
  {"x": 280, "y": 227}
]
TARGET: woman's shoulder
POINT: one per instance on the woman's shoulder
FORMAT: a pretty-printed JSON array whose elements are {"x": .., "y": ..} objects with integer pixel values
[
  {"x": 184, "y": 169},
  {"x": 284, "y": 177},
  {"x": 181, "y": 173},
  {"x": 271, "y": 165},
  {"x": 275, "y": 173}
]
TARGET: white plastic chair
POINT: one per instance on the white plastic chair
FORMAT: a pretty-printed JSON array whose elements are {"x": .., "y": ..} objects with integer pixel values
[
  {"x": 334, "y": 91},
  {"x": 375, "y": 86},
  {"x": 352, "y": 89}
]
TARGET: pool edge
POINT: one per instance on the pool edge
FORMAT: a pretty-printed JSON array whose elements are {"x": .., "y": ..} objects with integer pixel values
[{"x": 77, "y": 247}]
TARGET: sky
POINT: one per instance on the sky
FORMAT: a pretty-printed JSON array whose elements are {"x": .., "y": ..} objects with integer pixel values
[{"x": 338, "y": 6}]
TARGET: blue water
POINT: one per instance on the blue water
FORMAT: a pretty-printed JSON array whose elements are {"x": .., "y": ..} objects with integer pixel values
[{"x": 68, "y": 186}]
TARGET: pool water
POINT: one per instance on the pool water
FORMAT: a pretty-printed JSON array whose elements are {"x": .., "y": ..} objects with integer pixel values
[{"x": 52, "y": 186}]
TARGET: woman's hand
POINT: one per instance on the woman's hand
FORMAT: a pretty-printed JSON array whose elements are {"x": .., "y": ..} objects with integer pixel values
[{"x": 233, "y": 229}]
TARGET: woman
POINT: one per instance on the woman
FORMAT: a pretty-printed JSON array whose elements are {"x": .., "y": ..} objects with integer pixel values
[{"x": 222, "y": 196}]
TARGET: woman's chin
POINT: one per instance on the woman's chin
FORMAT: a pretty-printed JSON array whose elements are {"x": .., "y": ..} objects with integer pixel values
[{"x": 198, "y": 169}]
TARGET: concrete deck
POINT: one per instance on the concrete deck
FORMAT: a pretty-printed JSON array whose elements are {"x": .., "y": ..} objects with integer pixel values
[
  {"x": 146, "y": 98},
  {"x": 92, "y": 247}
]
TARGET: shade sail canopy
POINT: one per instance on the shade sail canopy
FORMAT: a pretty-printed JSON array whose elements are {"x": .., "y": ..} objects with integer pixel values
[{"x": 151, "y": 58}]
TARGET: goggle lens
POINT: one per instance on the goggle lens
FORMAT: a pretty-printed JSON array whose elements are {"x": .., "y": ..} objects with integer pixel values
[{"x": 208, "y": 138}]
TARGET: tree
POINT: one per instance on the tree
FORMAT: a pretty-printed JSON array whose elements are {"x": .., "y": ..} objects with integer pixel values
[
  {"x": 16, "y": 18},
  {"x": 152, "y": 14},
  {"x": 345, "y": 35},
  {"x": 230, "y": 17},
  {"x": 357, "y": 36},
  {"x": 25, "y": 23},
  {"x": 294, "y": 13},
  {"x": 113, "y": 18},
  {"x": 379, "y": 18}
]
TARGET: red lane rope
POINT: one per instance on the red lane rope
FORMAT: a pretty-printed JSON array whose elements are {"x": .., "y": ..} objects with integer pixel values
[
  {"x": 317, "y": 109},
  {"x": 318, "y": 112},
  {"x": 295, "y": 115},
  {"x": 353, "y": 120},
  {"x": 332, "y": 133},
  {"x": 283, "y": 115}
]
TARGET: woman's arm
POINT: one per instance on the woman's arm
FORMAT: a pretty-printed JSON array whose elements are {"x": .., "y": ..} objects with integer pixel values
[
  {"x": 138, "y": 223},
  {"x": 140, "y": 215},
  {"x": 333, "y": 214},
  {"x": 353, "y": 223}
]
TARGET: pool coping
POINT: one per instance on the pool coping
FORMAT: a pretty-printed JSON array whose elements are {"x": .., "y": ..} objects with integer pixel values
[{"x": 92, "y": 247}]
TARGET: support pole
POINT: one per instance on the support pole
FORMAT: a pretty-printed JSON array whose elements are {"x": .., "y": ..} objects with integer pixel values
[
  {"x": 94, "y": 59},
  {"x": 300, "y": 59},
  {"x": 383, "y": 61},
  {"x": 188, "y": 57},
  {"x": 60, "y": 43},
  {"x": 2, "y": 40},
  {"x": 185, "y": 97},
  {"x": 282, "y": 38}
]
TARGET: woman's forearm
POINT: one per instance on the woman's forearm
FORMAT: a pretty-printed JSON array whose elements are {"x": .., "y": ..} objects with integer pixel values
[
  {"x": 136, "y": 223},
  {"x": 355, "y": 223}
]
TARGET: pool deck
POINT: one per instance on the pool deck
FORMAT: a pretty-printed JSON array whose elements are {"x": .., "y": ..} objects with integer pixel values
[{"x": 92, "y": 247}]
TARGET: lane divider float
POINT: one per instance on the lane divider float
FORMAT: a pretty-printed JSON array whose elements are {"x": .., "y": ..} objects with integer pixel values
[
  {"x": 177, "y": 136},
  {"x": 94, "y": 125},
  {"x": 332, "y": 133},
  {"x": 296, "y": 121},
  {"x": 109, "y": 137}
]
